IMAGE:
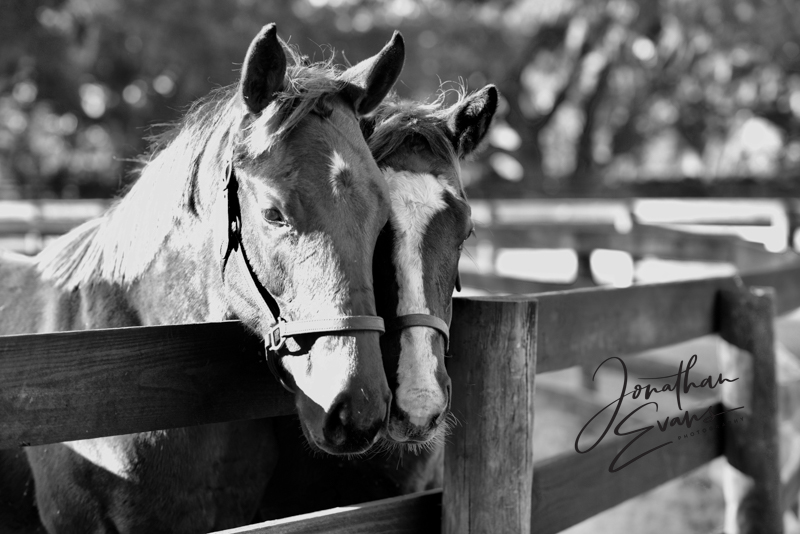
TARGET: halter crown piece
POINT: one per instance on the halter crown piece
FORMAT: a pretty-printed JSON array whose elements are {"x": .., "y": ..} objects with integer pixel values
[{"x": 281, "y": 329}]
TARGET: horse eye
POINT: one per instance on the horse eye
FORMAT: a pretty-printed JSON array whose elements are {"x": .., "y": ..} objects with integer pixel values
[{"x": 272, "y": 215}]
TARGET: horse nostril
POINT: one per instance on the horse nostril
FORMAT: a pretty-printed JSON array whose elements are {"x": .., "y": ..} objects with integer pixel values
[
  {"x": 388, "y": 415},
  {"x": 335, "y": 429},
  {"x": 351, "y": 427}
]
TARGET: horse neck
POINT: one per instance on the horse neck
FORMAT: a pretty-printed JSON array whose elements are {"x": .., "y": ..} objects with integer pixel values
[{"x": 181, "y": 284}]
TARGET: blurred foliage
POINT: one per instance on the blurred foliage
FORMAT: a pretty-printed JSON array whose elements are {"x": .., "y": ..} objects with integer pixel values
[{"x": 595, "y": 91}]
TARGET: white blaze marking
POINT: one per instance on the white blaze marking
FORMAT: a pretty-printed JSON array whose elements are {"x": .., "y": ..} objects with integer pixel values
[
  {"x": 338, "y": 166},
  {"x": 415, "y": 200},
  {"x": 330, "y": 375}
]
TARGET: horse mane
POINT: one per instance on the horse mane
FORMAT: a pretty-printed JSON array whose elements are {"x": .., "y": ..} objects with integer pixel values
[
  {"x": 397, "y": 119},
  {"x": 119, "y": 246}
]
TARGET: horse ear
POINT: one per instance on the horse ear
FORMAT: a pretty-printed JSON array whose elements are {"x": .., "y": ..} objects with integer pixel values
[
  {"x": 373, "y": 78},
  {"x": 263, "y": 70},
  {"x": 470, "y": 120}
]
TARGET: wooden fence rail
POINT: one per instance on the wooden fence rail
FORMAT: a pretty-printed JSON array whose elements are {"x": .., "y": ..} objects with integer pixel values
[{"x": 77, "y": 385}]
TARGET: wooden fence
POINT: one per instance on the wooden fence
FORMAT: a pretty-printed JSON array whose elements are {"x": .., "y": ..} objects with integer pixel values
[{"x": 76, "y": 385}]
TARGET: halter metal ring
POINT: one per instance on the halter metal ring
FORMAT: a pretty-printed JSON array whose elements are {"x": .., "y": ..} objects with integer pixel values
[{"x": 275, "y": 339}]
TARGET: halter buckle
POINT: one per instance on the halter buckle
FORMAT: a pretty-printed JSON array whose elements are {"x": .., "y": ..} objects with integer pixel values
[{"x": 276, "y": 338}]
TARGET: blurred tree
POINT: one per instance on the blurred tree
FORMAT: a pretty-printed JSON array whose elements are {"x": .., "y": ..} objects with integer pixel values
[{"x": 596, "y": 91}]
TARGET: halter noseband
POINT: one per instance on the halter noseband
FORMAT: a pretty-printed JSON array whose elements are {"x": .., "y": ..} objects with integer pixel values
[
  {"x": 282, "y": 329},
  {"x": 421, "y": 319}
]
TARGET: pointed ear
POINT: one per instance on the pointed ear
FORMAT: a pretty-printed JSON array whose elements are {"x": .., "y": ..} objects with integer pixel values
[
  {"x": 470, "y": 120},
  {"x": 372, "y": 79},
  {"x": 263, "y": 70}
]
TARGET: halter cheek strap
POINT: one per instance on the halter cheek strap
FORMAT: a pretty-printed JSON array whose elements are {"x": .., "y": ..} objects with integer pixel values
[
  {"x": 421, "y": 319},
  {"x": 281, "y": 329}
]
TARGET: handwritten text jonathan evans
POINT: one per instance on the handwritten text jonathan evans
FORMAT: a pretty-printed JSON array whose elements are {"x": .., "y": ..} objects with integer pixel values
[{"x": 681, "y": 384}]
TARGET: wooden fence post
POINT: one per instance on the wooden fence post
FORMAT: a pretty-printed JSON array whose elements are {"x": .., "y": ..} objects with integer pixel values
[
  {"x": 752, "y": 482},
  {"x": 489, "y": 457}
]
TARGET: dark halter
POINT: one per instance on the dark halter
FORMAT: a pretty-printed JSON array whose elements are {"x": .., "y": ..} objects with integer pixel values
[
  {"x": 281, "y": 329},
  {"x": 421, "y": 319}
]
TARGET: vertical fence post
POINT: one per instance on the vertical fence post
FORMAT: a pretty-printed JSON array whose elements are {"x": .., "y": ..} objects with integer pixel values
[
  {"x": 488, "y": 482},
  {"x": 585, "y": 278},
  {"x": 752, "y": 482}
]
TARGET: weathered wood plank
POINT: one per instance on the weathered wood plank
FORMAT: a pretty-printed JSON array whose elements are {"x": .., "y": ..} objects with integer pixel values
[
  {"x": 504, "y": 284},
  {"x": 419, "y": 513},
  {"x": 589, "y": 325},
  {"x": 573, "y": 487},
  {"x": 76, "y": 385},
  {"x": 586, "y": 326},
  {"x": 489, "y": 456}
]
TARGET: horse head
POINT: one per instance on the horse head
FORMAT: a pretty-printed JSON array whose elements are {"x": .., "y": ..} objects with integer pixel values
[
  {"x": 418, "y": 148},
  {"x": 299, "y": 210}
]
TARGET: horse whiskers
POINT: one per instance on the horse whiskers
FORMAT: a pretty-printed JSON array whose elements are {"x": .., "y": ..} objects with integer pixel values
[
  {"x": 389, "y": 447},
  {"x": 450, "y": 421}
]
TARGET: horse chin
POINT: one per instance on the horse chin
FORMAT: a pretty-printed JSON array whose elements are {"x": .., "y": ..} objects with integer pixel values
[
  {"x": 420, "y": 420},
  {"x": 342, "y": 396},
  {"x": 320, "y": 445},
  {"x": 412, "y": 435}
]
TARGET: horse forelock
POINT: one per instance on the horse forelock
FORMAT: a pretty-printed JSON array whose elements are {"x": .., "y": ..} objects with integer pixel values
[
  {"x": 120, "y": 246},
  {"x": 397, "y": 121}
]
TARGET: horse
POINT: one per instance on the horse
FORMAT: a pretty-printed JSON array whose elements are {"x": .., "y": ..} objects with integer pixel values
[
  {"x": 263, "y": 205},
  {"x": 415, "y": 266}
]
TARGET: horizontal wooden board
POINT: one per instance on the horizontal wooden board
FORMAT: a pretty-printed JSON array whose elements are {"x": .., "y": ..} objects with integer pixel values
[
  {"x": 76, "y": 385},
  {"x": 586, "y": 326},
  {"x": 420, "y": 513},
  {"x": 73, "y": 385},
  {"x": 504, "y": 284},
  {"x": 573, "y": 487}
]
